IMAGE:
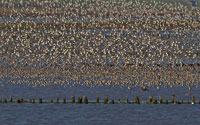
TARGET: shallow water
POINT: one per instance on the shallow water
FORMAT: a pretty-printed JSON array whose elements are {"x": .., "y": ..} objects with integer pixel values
[{"x": 98, "y": 114}]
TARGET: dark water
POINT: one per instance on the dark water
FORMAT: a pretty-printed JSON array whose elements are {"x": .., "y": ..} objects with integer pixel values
[{"x": 97, "y": 113}]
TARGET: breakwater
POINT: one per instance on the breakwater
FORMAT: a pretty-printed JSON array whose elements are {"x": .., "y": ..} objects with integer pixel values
[{"x": 85, "y": 100}]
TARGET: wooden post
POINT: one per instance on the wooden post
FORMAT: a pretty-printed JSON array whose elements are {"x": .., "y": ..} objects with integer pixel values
[
  {"x": 137, "y": 100},
  {"x": 40, "y": 100},
  {"x": 127, "y": 101},
  {"x": 73, "y": 99},
  {"x": 64, "y": 100},
  {"x": 150, "y": 99},
  {"x": 57, "y": 100},
  {"x": 85, "y": 100},
  {"x": 18, "y": 101},
  {"x": 112, "y": 102},
  {"x": 172, "y": 98},
  {"x": 21, "y": 100},
  {"x": 154, "y": 101},
  {"x": 33, "y": 100},
  {"x": 193, "y": 100},
  {"x": 106, "y": 100},
  {"x": 166, "y": 102},
  {"x": 97, "y": 97},
  {"x": 118, "y": 100},
  {"x": 0, "y": 99},
  {"x": 199, "y": 101},
  {"x": 160, "y": 100},
  {"x": 79, "y": 100},
  {"x": 10, "y": 99},
  {"x": 4, "y": 101}
]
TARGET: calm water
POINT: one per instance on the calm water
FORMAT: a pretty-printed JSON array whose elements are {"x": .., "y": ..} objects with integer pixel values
[{"x": 97, "y": 113}]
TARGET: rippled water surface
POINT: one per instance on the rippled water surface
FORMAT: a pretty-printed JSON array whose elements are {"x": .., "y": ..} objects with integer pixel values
[{"x": 97, "y": 113}]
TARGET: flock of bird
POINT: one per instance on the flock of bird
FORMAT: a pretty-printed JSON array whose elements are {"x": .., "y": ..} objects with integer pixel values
[{"x": 99, "y": 43}]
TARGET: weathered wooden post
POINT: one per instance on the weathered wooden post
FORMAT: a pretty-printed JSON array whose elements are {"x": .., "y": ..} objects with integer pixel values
[
  {"x": 97, "y": 97},
  {"x": 166, "y": 102},
  {"x": 33, "y": 100},
  {"x": 0, "y": 99},
  {"x": 118, "y": 100},
  {"x": 73, "y": 99},
  {"x": 160, "y": 100},
  {"x": 64, "y": 100},
  {"x": 85, "y": 100},
  {"x": 199, "y": 101},
  {"x": 18, "y": 101},
  {"x": 172, "y": 98},
  {"x": 127, "y": 101},
  {"x": 40, "y": 100},
  {"x": 193, "y": 100},
  {"x": 57, "y": 100},
  {"x": 112, "y": 101},
  {"x": 10, "y": 99},
  {"x": 154, "y": 101},
  {"x": 106, "y": 100},
  {"x": 79, "y": 100},
  {"x": 4, "y": 101},
  {"x": 137, "y": 100},
  {"x": 21, "y": 100},
  {"x": 150, "y": 99}
]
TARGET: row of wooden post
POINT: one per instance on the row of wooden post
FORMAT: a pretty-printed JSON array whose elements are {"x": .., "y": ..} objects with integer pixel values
[{"x": 84, "y": 100}]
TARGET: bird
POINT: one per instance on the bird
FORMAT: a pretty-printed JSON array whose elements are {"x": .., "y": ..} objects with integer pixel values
[
  {"x": 145, "y": 88},
  {"x": 188, "y": 93},
  {"x": 52, "y": 39}
]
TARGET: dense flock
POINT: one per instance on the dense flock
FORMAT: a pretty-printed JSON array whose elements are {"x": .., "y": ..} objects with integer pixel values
[{"x": 99, "y": 43}]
